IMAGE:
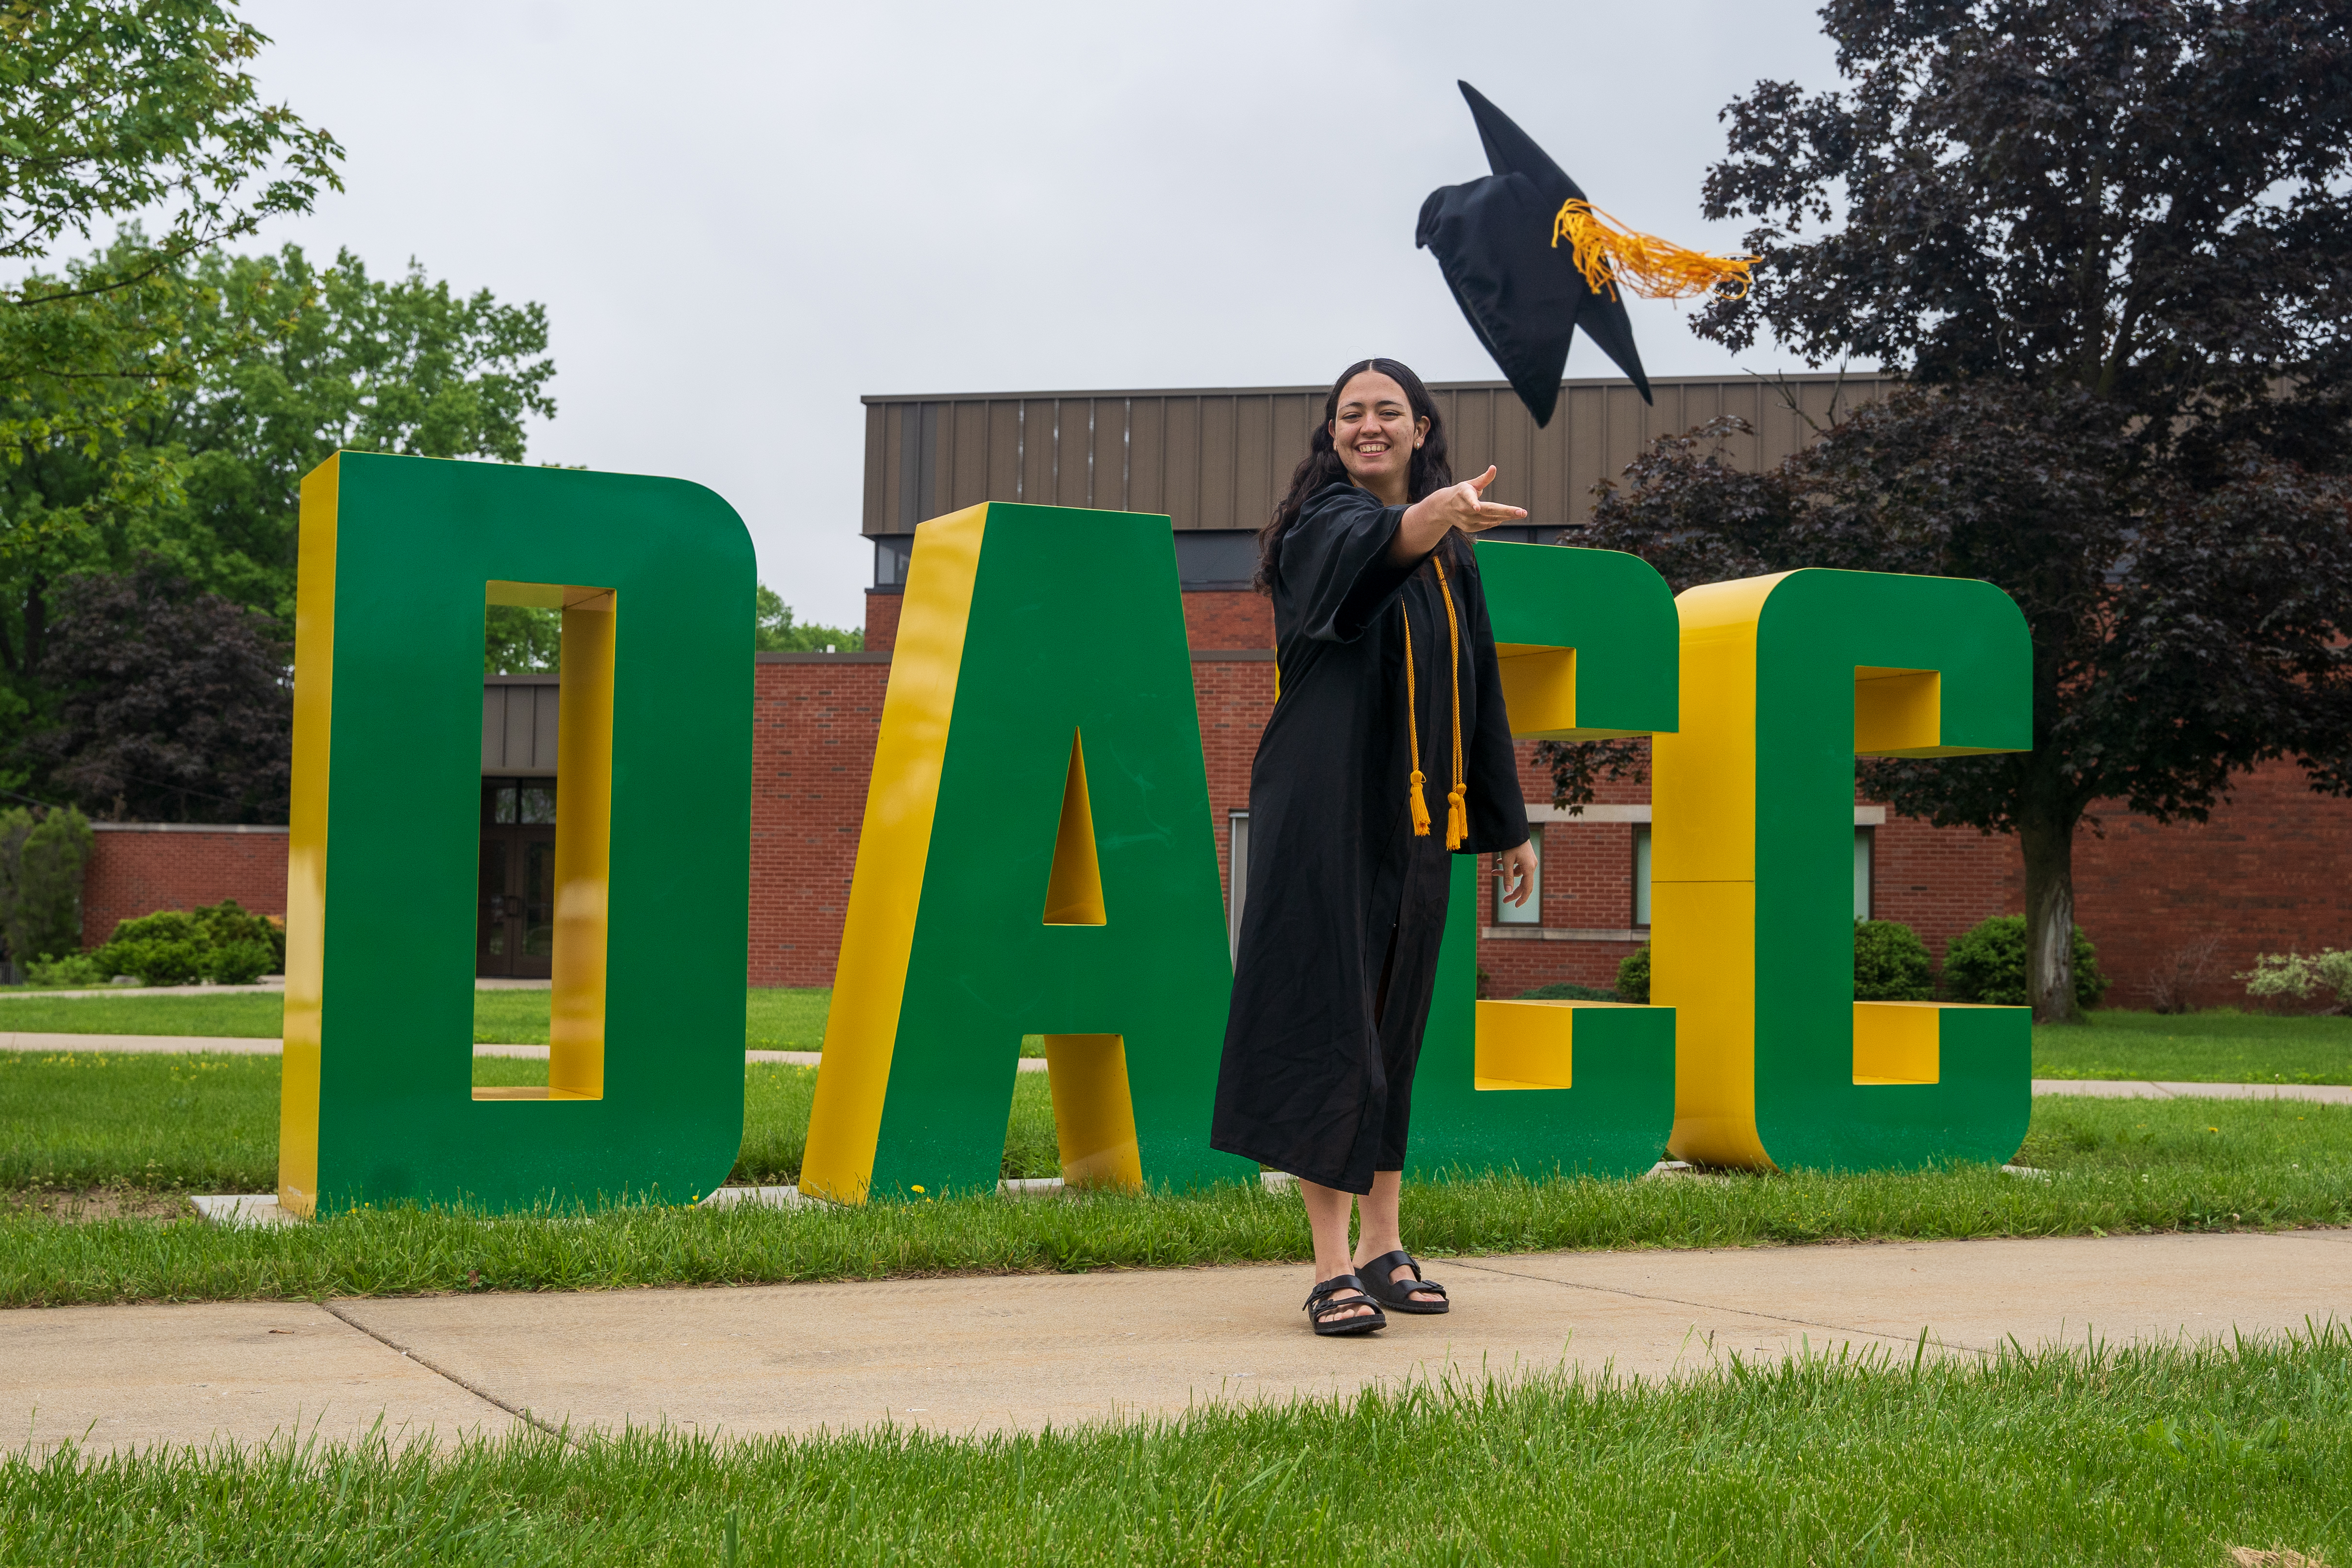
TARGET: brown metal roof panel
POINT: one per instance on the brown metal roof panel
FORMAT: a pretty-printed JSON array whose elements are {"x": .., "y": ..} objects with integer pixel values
[
  {"x": 1218, "y": 453},
  {"x": 1180, "y": 463},
  {"x": 1322, "y": 389},
  {"x": 1147, "y": 454}
]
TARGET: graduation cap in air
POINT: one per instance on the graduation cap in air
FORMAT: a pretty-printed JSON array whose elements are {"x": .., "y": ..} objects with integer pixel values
[{"x": 1531, "y": 260}]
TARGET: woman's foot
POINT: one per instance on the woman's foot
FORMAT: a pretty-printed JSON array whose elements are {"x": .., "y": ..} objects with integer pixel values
[
  {"x": 1395, "y": 1278},
  {"x": 1340, "y": 1305}
]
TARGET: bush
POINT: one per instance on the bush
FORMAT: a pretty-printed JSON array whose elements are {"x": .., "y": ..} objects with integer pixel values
[
  {"x": 227, "y": 923},
  {"x": 155, "y": 961},
  {"x": 76, "y": 970},
  {"x": 1987, "y": 964},
  {"x": 223, "y": 942},
  {"x": 1633, "y": 977},
  {"x": 1890, "y": 964},
  {"x": 2276, "y": 976},
  {"x": 1566, "y": 991},
  {"x": 239, "y": 963}
]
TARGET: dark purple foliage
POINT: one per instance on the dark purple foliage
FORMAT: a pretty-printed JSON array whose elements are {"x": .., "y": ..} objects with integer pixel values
[{"x": 172, "y": 705}]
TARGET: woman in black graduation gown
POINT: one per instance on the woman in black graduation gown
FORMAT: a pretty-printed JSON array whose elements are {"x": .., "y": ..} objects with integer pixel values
[{"x": 1388, "y": 749}]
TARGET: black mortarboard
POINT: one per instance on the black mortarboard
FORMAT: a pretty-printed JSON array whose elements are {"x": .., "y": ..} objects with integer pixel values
[{"x": 1525, "y": 295}]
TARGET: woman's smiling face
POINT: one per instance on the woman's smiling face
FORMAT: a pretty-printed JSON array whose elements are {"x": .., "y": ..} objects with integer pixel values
[{"x": 1375, "y": 433}]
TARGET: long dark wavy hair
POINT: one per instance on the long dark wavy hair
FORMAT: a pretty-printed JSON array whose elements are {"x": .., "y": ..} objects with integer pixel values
[{"x": 1321, "y": 466}]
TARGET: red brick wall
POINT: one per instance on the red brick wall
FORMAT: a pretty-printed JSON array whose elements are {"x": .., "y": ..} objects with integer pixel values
[
  {"x": 882, "y": 620},
  {"x": 1234, "y": 698},
  {"x": 814, "y": 722},
  {"x": 137, "y": 869},
  {"x": 1228, "y": 620},
  {"x": 2272, "y": 871}
]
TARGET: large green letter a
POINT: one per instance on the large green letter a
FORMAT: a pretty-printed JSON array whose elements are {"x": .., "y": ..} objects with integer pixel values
[{"x": 1037, "y": 858}]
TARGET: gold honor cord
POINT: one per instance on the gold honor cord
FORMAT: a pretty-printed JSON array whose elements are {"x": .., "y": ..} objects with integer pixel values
[
  {"x": 1457, "y": 810},
  {"x": 1608, "y": 254}
]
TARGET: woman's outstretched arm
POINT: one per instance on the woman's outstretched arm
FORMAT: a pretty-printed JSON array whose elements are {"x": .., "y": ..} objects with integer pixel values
[{"x": 1427, "y": 519}]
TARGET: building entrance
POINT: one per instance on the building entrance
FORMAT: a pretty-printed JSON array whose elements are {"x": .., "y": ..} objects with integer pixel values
[{"x": 517, "y": 934}]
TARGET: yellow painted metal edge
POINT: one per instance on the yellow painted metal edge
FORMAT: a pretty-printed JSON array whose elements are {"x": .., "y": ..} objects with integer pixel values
[
  {"x": 893, "y": 848},
  {"x": 584, "y": 846},
  {"x": 306, "y": 846},
  {"x": 1703, "y": 878},
  {"x": 1074, "y": 893},
  {"x": 1094, "y": 1112}
]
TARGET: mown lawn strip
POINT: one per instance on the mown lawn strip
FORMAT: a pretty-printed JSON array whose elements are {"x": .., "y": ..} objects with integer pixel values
[
  {"x": 2157, "y": 1454},
  {"x": 2113, "y": 1168}
]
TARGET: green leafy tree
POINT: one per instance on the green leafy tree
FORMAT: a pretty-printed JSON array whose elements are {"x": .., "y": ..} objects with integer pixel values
[
  {"x": 773, "y": 630},
  {"x": 108, "y": 109},
  {"x": 2109, "y": 242},
  {"x": 293, "y": 363},
  {"x": 41, "y": 860}
]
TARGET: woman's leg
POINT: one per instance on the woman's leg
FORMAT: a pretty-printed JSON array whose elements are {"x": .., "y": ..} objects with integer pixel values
[
  {"x": 1327, "y": 1217},
  {"x": 1380, "y": 1235}
]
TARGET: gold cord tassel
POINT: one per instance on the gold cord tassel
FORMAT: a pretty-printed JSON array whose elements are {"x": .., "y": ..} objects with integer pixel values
[
  {"x": 1413, "y": 735},
  {"x": 1608, "y": 254},
  {"x": 1457, "y": 806}
]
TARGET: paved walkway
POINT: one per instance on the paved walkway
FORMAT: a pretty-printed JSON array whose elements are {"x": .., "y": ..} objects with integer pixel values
[{"x": 987, "y": 1354}]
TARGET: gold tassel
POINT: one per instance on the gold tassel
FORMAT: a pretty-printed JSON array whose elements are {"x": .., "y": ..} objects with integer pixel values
[
  {"x": 1458, "y": 808},
  {"x": 1608, "y": 254},
  {"x": 1413, "y": 733}
]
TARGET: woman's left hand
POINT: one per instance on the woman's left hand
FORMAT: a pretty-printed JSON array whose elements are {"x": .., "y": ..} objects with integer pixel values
[{"x": 1516, "y": 867}]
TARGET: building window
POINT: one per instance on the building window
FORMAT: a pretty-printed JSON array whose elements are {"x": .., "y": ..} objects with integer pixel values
[
  {"x": 1531, "y": 912},
  {"x": 1641, "y": 873},
  {"x": 1861, "y": 861},
  {"x": 891, "y": 553},
  {"x": 1237, "y": 839}
]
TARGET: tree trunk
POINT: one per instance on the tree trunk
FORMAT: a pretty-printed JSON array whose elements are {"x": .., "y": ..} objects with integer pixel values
[{"x": 2048, "y": 842}]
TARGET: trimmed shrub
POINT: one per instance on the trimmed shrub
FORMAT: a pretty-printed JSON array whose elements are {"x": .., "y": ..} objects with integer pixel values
[
  {"x": 1633, "y": 977},
  {"x": 223, "y": 942},
  {"x": 239, "y": 963},
  {"x": 1987, "y": 964},
  {"x": 1566, "y": 991},
  {"x": 155, "y": 961},
  {"x": 1890, "y": 964}
]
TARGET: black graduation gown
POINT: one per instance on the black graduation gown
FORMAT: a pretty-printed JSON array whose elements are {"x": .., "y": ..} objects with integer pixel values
[{"x": 1316, "y": 1077}]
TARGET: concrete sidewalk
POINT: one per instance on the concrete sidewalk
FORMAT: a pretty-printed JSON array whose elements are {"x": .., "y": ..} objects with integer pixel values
[{"x": 986, "y": 1353}]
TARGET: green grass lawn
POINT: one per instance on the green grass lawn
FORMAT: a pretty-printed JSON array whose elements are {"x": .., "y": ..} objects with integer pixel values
[
  {"x": 209, "y": 1123},
  {"x": 88, "y": 1119},
  {"x": 2221, "y": 1046},
  {"x": 2159, "y": 1456},
  {"x": 2224, "y": 1046},
  {"x": 775, "y": 1019}
]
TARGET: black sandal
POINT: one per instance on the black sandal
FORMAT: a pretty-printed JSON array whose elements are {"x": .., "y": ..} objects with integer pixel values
[
  {"x": 1324, "y": 1299},
  {"x": 1397, "y": 1294}
]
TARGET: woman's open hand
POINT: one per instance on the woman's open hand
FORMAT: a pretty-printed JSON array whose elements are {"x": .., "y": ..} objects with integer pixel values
[
  {"x": 1462, "y": 506},
  {"x": 1517, "y": 870}
]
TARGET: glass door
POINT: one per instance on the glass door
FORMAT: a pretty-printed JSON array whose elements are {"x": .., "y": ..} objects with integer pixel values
[{"x": 516, "y": 937}]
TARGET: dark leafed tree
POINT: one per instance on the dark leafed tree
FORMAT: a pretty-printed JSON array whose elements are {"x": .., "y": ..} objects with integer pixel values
[
  {"x": 2110, "y": 243},
  {"x": 173, "y": 705}
]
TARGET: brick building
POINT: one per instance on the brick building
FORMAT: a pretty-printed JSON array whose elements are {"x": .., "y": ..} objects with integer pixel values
[{"x": 2165, "y": 905}]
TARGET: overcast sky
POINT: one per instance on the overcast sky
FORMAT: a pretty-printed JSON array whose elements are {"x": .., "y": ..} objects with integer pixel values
[{"x": 741, "y": 217}]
